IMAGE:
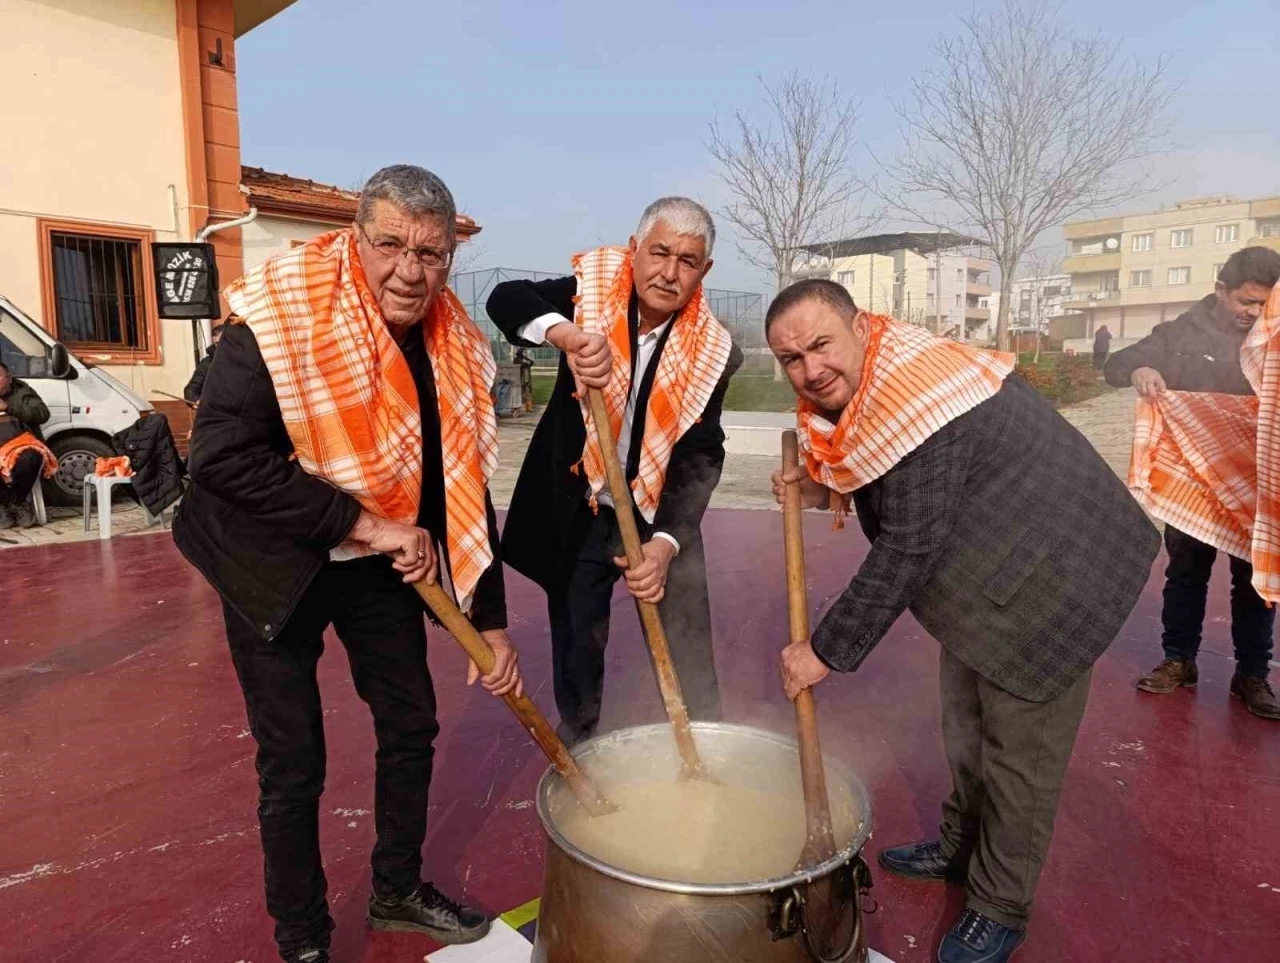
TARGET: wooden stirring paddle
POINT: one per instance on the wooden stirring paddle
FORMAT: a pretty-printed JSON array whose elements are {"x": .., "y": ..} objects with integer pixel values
[
  {"x": 650, "y": 620},
  {"x": 535, "y": 722},
  {"x": 819, "y": 838}
]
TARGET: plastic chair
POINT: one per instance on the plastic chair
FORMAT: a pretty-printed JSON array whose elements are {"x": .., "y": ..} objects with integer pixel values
[{"x": 101, "y": 485}]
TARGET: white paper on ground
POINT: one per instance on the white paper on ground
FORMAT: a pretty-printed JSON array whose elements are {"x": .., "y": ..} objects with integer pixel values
[{"x": 502, "y": 945}]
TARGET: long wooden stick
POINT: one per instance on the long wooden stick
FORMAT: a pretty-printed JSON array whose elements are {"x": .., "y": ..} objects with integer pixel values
[
  {"x": 651, "y": 622},
  {"x": 535, "y": 722},
  {"x": 819, "y": 839}
]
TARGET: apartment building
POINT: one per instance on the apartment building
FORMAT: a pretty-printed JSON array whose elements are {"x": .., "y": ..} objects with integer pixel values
[
  {"x": 1135, "y": 271},
  {"x": 938, "y": 280}
]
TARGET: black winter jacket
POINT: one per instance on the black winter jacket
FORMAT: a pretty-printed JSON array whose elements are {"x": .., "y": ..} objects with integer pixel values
[
  {"x": 1192, "y": 353},
  {"x": 257, "y": 525},
  {"x": 157, "y": 469},
  {"x": 196, "y": 385}
]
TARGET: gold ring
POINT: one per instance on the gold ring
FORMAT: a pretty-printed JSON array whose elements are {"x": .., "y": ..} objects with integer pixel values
[{"x": 422, "y": 556}]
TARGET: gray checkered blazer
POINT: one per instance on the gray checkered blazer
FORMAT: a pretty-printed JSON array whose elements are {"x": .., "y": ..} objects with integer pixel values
[{"x": 1009, "y": 539}]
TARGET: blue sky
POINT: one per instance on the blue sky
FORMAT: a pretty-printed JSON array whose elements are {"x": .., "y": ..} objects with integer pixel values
[{"x": 554, "y": 124}]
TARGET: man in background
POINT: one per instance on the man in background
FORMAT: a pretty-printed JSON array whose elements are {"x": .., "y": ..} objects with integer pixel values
[
  {"x": 1200, "y": 351},
  {"x": 1101, "y": 347},
  {"x": 196, "y": 385},
  {"x": 22, "y": 452}
]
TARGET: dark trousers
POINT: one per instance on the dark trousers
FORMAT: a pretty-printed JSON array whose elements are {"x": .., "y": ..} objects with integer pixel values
[
  {"x": 26, "y": 471},
  {"x": 1007, "y": 757},
  {"x": 1100, "y": 360},
  {"x": 580, "y": 629},
  {"x": 380, "y": 622},
  {"x": 1186, "y": 589}
]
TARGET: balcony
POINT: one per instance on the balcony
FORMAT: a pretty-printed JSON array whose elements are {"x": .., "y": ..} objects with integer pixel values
[
  {"x": 1091, "y": 263},
  {"x": 1272, "y": 242},
  {"x": 1082, "y": 300},
  {"x": 977, "y": 314},
  {"x": 806, "y": 272},
  {"x": 1098, "y": 228},
  {"x": 979, "y": 289}
]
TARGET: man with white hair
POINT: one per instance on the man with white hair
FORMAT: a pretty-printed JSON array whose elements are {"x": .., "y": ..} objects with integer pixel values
[
  {"x": 635, "y": 323},
  {"x": 344, "y": 442}
]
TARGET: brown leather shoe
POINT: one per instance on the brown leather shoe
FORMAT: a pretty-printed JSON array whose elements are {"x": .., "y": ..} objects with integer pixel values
[
  {"x": 1257, "y": 695},
  {"x": 1169, "y": 675}
]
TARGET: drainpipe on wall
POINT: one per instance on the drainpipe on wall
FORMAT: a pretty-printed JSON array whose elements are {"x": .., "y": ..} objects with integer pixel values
[{"x": 202, "y": 328}]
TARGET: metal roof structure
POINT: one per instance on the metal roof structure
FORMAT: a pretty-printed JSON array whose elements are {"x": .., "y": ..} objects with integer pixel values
[{"x": 921, "y": 242}]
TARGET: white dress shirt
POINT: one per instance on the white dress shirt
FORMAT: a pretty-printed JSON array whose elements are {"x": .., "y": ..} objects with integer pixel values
[{"x": 646, "y": 344}]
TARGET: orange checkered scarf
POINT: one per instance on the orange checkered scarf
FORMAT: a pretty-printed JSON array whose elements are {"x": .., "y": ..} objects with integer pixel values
[
  {"x": 349, "y": 400},
  {"x": 690, "y": 366},
  {"x": 1209, "y": 464},
  {"x": 913, "y": 384},
  {"x": 26, "y": 441}
]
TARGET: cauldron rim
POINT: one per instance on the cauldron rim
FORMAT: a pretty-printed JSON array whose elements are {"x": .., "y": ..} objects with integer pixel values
[{"x": 551, "y": 778}]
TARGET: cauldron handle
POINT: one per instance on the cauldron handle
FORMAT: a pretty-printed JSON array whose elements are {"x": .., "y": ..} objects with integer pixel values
[{"x": 859, "y": 883}]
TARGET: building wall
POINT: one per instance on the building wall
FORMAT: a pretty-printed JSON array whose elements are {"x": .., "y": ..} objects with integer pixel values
[
  {"x": 1108, "y": 285},
  {"x": 270, "y": 235},
  {"x": 100, "y": 134}
]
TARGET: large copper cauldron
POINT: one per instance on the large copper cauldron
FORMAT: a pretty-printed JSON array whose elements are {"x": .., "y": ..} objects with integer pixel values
[{"x": 593, "y": 912}]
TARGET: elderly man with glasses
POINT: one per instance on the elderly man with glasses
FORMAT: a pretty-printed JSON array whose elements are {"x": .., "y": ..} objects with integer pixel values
[{"x": 320, "y": 490}]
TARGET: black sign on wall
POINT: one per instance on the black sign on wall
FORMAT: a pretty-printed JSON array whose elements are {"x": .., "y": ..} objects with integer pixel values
[{"x": 186, "y": 280}]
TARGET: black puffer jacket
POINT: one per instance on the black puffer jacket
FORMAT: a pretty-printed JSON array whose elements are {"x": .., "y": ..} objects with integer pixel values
[{"x": 158, "y": 471}]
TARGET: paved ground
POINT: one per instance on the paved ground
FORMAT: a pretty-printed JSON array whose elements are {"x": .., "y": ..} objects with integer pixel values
[
  {"x": 1107, "y": 421},
  {"x": 127, "y": 791}
]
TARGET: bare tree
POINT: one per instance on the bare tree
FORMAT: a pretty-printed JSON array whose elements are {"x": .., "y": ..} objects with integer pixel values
[
  {"x": 466, "y": 257},
  {"x": 1021, "y": 124},
  {"x": 791, "y": 179}
]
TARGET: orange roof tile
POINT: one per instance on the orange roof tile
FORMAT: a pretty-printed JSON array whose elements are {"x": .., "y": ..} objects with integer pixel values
[{"x": 282, "y": 194}]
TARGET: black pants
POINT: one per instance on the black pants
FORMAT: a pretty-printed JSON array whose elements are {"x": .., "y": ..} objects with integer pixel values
[
  {"x": 580, "y": 629},
  {"x": 26, "y": 471},
  {"x": 380, "y": 621},
  {"x": 1186, "y": 588},
  {"x": 1100, "y": 360}
]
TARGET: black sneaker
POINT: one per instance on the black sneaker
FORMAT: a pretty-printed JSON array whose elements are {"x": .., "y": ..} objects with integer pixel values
[
  {"x": 429, "y": 911},
  {"x": 921, "y": 861},
  {"x": 979, "y": 939},
  {"x": 309, "y": 954}
]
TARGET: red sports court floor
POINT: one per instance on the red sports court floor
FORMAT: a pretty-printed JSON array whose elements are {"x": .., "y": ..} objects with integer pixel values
[{"x": 127, "y": 788}]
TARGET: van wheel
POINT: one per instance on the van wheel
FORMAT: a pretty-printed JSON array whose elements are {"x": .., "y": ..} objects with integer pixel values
[{"x": 77, "y": 455}]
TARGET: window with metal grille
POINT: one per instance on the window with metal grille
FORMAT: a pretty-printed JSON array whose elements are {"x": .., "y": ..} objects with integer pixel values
[{"x": 98, "y": 294}]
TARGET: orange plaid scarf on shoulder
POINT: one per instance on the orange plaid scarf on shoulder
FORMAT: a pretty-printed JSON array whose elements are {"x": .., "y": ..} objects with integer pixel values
[
  {"x": 690, "y": 366},
  {"x": 26, "y": 441},
  {"x": 1194, "y": 465},
  {"x": 913, "y": 384},
  {"x": 1209, "y": 464},
  {"x": 349, "y": 401}
]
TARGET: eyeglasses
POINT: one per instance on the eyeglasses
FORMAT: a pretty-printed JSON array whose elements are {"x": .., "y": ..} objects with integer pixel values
[{"x": 393, "y": 250}]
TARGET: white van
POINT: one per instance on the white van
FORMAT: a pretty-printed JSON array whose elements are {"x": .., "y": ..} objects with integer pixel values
[{"x": 86, "y": 405}]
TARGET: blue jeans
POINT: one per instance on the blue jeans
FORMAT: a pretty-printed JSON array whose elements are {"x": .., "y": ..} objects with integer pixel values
[{"x": 1186, "y": 588}]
